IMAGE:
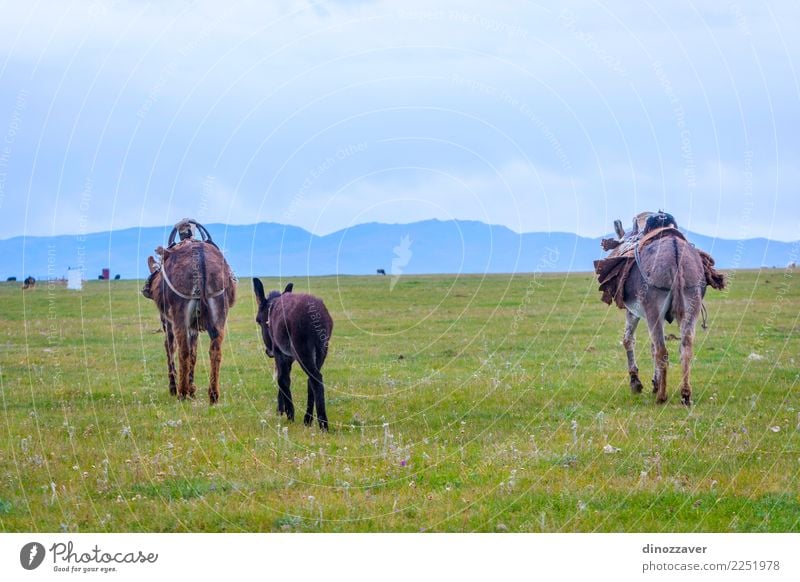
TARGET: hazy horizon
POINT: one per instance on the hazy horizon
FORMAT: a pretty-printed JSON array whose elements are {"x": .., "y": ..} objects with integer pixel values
[{"x": 168, "y": 227}]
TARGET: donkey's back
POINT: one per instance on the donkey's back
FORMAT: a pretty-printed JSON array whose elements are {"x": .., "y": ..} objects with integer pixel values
[
  {"x": 301, "y": 327},
  {"x": 667, "y": 278}
]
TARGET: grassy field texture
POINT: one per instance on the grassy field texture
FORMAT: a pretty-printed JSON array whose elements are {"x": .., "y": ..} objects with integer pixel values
[{"x": 464, "y": 403}]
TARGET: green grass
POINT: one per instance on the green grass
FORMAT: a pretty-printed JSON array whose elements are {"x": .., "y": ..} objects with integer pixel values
[{"x": 457, "y": 404}]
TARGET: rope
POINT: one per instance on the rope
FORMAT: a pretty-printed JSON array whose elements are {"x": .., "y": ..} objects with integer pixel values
[
  {"x": 647, "y": 280},
  {"x": 269, "y": 313},
  {"x": 183, "y": 295}
]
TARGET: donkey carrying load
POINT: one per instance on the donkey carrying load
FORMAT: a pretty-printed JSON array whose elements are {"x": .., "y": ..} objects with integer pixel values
[
  {"x": 295, "y": 326},
  {"x": 655, "y": 273},
  {"x": 193, "y": 288}
]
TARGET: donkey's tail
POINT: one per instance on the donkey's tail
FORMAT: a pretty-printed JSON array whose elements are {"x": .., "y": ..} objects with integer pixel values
[
  {"x": 203, "y": 277},
  {"x": 678, "y": 283},
  {"x": 309, "y": 363}
]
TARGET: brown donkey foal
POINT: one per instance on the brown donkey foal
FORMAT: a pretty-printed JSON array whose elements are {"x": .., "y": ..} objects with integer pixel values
[
  {"x": 296, "y": 326},
  {"x": 193, "y": 288}
]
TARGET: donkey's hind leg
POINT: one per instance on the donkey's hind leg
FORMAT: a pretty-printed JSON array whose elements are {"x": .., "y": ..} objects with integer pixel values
[
  {"x": 283, "y": 364},
  {"x": 215, "y": 355},
  {"x": 316, "y": 398},
  {"x": 316, "y": 388},
  {"x": 629, "y": 341},
  {"x": 169, "y": 347},
  {"x": 193, "y": 341},
  {"x": 308, "y": 419},
  {"x": 687, "y": 341},
  {"x": 185, "y": 371},
  {"x": 660, "y": 356}
]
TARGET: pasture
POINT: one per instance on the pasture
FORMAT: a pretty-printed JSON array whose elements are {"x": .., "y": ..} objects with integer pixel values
[{"x": 470, "y": 403}]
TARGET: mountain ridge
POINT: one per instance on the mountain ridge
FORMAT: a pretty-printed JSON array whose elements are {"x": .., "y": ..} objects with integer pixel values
[{"x": 425, "y": 247}]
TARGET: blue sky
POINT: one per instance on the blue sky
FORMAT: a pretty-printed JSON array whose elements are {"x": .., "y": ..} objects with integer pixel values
[{"x": 541, "y": 117}]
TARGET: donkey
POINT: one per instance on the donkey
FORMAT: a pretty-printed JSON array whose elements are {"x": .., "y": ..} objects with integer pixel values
[
  {"x": 295, "y": 326},
  {"x": 666, "y": 282},
  {"x": 193, "y": 288}
]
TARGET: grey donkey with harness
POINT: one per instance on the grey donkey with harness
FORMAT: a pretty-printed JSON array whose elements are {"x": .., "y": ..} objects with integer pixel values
[{"x": 658, "y": 276}]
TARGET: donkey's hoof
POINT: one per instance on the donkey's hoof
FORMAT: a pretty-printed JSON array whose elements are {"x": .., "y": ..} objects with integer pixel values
[
  {"x": 308, "y": 420},
  {"x": 686, "y": 399},
  {"x": 655, "y": 386},
  {"x": 213, "y": 397},
  {"x": 661, "y": 399},
  {"x": 173, "y": 390},
  {"x": 323, "y": 424},
  {"x": 636, "y": 385},
  {"x": 192, "y": 391}
]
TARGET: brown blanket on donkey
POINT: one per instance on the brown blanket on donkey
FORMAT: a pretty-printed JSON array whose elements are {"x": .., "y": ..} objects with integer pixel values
[{"x": 613, "y": 271}]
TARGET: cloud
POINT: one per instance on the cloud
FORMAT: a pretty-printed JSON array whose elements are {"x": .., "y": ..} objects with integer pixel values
[{"x": 509, "y": 112}]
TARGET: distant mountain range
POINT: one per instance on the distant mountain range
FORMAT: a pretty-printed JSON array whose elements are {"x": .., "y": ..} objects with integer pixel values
[{"x": 430, "y": 246}]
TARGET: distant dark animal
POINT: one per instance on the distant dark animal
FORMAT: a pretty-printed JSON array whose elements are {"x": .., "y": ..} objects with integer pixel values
[
  {"x": 296, "y": 326},
  {"x": 101, "y": 278},
  {"x": 381, "y": 272},
  {"x": 11, "y": 279},
  {"x": 116, "y": 277},
  {"x": 29, "y": 283},
  {"x": 193, "y": 288}
]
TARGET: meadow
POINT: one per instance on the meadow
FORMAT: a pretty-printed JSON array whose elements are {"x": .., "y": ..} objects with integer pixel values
[{"x": 457, "y": 403}]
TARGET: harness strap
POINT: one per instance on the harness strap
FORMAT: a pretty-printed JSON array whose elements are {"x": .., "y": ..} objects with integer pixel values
[
  {"x": 647, "y": 280},
  {"x": 183, "y": 295}
]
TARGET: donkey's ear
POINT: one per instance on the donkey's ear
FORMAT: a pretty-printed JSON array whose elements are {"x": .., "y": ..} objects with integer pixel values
[
  {"x": 618, "y": 229},
  {"x": 258, "y": 287},
  {"x": 151, "y": 264},
  {"x": 289, "y": 288}
]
